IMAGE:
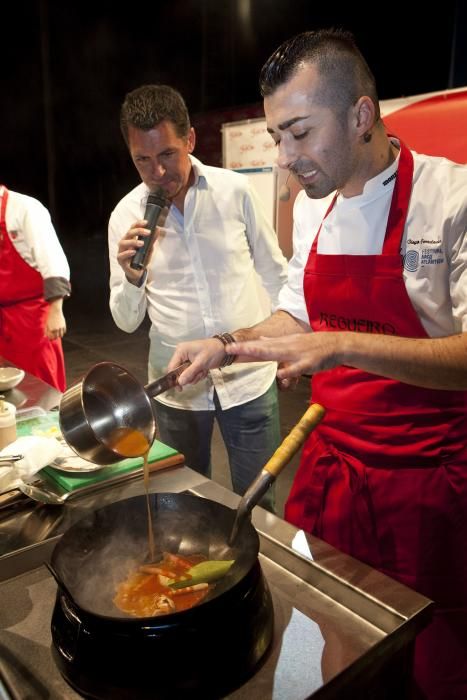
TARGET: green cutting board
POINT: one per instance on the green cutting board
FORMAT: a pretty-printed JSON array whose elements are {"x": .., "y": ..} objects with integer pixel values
[
  {"x": 48, "y": 425},
  {"x": 71, "y": 482}
]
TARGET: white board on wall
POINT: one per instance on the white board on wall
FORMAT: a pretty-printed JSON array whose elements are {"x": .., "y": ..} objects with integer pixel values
[
  {"x": 248, "y": 148},
  {"x": 246, "y": 144}
]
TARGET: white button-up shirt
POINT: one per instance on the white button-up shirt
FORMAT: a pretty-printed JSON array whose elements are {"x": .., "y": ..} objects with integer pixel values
[
  {"x": 434, "y": 245},
  {"x": 202, "y": 279}
]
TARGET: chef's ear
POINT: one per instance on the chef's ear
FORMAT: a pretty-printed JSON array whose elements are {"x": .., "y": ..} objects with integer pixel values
[
  {"x": 191, "y": 140},
  {"x": 364, "y": 111}
]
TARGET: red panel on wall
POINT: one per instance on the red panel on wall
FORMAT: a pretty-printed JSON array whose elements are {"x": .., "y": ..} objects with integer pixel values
[{"x": 436, "y": 126}]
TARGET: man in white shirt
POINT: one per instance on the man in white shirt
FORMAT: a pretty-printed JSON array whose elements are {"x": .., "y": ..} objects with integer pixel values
[
  {"x": 202, "y": 277},
  {"x": 34, "y": 280},
  {"x": 376, "y": 310}
]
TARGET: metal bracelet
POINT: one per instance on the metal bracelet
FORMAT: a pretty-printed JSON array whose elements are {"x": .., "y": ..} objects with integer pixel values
[{"x": 225, "y": 339}]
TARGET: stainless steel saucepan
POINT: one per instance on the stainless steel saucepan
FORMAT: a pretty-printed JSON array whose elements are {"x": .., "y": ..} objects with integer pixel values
[{"x": 108, "y": 416}]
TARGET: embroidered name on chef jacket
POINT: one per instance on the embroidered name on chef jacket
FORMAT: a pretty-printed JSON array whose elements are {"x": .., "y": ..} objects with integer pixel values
[{"x": 429, "y": 252}]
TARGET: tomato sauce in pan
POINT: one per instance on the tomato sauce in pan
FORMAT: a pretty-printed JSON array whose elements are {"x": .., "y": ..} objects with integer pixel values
[{"x": 145, "y": 592}]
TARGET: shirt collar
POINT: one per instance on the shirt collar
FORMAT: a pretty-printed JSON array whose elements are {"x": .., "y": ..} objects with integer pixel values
[
  {"x": 377, "y": 187},
  {"x": 200, "y": 171}
]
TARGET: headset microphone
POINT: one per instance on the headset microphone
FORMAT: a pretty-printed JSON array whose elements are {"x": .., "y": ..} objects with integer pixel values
[{"x": 284, "y": 191}]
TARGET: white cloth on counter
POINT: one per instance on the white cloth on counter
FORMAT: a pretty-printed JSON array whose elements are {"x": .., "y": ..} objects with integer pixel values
[{"x": 37, "y": 453}]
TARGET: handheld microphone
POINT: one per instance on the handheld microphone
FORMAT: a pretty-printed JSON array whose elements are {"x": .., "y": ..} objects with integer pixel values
[{"x": 156, "y": 203}]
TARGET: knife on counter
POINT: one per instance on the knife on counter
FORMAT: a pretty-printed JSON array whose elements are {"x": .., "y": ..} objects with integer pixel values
[{"x": 10, "y": 458}]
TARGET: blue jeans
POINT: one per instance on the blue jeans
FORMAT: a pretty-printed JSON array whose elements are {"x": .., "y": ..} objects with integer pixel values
[{"x": 251, "y": 434}]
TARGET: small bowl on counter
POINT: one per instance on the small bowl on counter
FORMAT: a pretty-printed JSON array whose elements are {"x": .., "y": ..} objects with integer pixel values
[{"x": 10, "y": 377}]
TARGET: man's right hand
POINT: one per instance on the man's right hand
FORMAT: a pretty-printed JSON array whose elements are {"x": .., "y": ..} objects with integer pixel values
[
  {"x": 127, "y": 248},
  {"x": 203, "y": 354}
]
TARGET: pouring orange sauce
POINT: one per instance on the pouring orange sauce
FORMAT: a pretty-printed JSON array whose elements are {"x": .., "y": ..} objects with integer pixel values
[
  {"x": 132, "y": 443},
  {"x": 152, "y": 545}
]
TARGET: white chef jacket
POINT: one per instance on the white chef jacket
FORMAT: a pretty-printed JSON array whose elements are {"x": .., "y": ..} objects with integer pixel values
[
  {"x": 434, "y": 245},
  {"x": 33, "y": 235},
  {"x": 202, "y": 279}
]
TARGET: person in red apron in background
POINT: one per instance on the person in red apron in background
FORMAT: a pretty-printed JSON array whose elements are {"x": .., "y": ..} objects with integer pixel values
[
  {"x": 375, "y": 309},
  {"x": 34, "y": 280}
]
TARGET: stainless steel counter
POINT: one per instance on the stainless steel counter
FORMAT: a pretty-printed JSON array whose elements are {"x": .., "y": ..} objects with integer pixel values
[{"x": 342, "y": 630}]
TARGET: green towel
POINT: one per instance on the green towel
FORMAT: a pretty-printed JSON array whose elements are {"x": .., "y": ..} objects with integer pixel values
[{"x": 48, "y": 425}]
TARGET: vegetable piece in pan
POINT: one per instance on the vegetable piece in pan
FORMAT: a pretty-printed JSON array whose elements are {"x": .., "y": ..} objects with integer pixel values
[{"x": 170, "y": 585}]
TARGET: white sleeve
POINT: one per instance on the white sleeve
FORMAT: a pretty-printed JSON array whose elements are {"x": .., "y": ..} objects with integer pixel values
[
  {"x": 458, "y": 267},
  {"x": 41, "y": 238},
  {"x": 269, "y": 261},
  {"x": 127, "y": 302},
  {"x": 292, "y": 298}
]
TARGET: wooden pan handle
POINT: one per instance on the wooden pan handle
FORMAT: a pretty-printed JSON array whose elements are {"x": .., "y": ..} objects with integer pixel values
[{"x": 294, "y": 440}]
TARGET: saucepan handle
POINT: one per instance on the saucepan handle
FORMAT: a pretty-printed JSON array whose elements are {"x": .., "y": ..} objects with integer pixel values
[{"x": 167, "y": 381}]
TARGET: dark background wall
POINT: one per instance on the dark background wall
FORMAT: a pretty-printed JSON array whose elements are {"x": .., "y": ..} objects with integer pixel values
[{"x": 66, "y": 67}]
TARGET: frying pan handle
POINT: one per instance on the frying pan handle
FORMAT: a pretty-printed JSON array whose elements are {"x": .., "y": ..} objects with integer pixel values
[
  {"x": 284, "y": 453},
  {"x": 294, "y": 440}
]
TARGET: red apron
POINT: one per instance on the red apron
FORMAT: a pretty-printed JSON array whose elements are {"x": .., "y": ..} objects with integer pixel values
[
  {"x": 384, "y": 476},
  {"x": 23, "y": 315}
]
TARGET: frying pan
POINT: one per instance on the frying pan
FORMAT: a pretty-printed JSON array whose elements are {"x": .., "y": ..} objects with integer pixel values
[
  {"x": 203, "y": 652},
  {"x": 106, "y": 401},
  {"x": 98, "y": 552}
]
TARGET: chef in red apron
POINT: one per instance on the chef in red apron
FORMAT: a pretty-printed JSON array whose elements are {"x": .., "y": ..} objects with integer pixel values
[
  {"x": 384, "y": 477},
  {"x": 375, "y": 308},
  {"x": 34, "y": 279}
]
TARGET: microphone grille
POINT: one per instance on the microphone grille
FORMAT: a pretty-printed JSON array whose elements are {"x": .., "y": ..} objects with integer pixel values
[{"x": 158, "y": 197}]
